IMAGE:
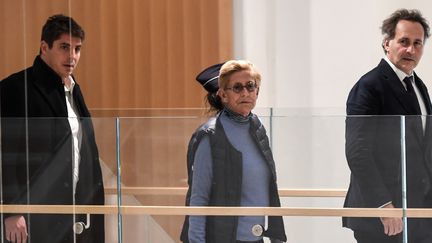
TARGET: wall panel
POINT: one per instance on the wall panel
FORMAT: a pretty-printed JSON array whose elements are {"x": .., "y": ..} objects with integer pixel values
[{"x": 137, "y": 53}]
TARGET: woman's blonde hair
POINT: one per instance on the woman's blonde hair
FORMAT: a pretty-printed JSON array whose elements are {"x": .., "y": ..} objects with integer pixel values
[{"x": 233, "y": 66}]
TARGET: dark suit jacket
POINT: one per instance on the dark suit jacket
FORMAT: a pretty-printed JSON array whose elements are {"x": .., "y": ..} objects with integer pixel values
[
  {"x": 37, "y": 154},
  {"x": 373, "y": 145}
]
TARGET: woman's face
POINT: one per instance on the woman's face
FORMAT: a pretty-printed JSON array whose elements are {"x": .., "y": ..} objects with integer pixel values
[{"x": 241, "y": 93}]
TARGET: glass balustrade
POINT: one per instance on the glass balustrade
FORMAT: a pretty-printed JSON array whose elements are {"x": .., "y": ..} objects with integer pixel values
[{"x": 142, "y": 161}]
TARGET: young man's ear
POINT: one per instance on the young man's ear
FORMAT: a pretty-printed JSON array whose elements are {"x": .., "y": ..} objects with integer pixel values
[{"x": 43, "y": 47}]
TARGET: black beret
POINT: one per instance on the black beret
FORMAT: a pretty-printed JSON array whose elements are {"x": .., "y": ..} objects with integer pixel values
[{"x": 209, "y": 78}]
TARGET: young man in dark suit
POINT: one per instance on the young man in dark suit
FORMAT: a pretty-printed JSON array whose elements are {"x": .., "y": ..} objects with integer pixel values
[
  {"x": 49, "y": 152},
  {"x": 373, "y": 142}
]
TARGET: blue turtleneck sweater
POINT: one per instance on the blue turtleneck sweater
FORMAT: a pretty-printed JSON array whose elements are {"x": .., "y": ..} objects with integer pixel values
[{"x": 255, "y": 181}]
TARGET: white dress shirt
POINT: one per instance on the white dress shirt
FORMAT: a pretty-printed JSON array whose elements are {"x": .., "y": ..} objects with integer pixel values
[
  {"x": 75, "y": 126},
  {"x": 401, "y": 75}
]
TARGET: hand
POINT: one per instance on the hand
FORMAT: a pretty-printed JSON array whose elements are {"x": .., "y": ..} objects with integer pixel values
[
  {"x": 16, "y": 229},
  {"x": 392, "y": 226}
]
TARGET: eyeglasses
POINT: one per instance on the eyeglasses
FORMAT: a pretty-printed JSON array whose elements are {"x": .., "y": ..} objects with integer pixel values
[{"x": 238, "y": 87}]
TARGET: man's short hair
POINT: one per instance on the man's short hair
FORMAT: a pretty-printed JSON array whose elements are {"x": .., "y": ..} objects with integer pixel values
[
  {"x": 59, "y": 24},
  {"x": 388, "y": 27}
]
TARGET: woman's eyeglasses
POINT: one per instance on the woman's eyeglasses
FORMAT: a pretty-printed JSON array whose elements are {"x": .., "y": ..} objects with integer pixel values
[{"x": 238, "y": 87}]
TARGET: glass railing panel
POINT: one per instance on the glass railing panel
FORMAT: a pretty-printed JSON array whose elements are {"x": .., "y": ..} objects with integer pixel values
[
  {"x": 309, "y": 154},
  {"x": 326, "y": 153},
  {"x": 106, "y": 139},
  {"x": 418, "y": 158},
  {"x": 56, "y": 174},
  {"x": 156, "y": 142},
  {"x": 153, "y": 169}
]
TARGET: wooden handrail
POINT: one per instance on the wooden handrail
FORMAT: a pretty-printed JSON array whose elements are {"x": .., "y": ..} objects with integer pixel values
[
  {"x": 183, "y": 210},
  {"x": 239, "y": 211},
  {"x": 181, "y": 191},
  {"x": 249, "y": 211}
]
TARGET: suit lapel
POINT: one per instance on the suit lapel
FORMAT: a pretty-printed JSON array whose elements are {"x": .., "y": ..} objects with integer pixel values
[
  {"x": 79, "y": 102},
  {"x": 54, "y": 99},
  {"x": 398, "y": 89},
  {"x": 48, "y": 83},
  {"x": 424, "y": 92},
  {"x": 428, "y": 131},
  {"x": 411, "y": 108},
  {"x": 426, "y": 100}
]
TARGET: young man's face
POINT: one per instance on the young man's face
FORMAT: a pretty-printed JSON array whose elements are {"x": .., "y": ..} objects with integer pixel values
[{"x": 63, "y": 56}]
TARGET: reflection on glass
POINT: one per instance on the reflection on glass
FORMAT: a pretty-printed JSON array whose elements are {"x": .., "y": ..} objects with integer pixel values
[
  {"x": 308, "y": 152},
  {"x": 39, "y": 168},
  {"x": 380, "y": 151},
  {"x": 373, "y": 149}
]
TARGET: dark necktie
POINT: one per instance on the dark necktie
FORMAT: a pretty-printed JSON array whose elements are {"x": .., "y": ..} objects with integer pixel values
[
  {"x": 408, "y": 82},
  {"x": 413, "y": 103},
  {"x": 411, "y": 95}
]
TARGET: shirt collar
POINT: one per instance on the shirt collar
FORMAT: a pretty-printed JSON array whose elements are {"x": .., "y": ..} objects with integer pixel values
[
  {"x": 401, "y": 74},
  {"x": 71, "y": 86}
]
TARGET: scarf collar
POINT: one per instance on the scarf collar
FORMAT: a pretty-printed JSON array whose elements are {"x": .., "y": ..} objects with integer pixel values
[{"x": 237, "y": 117}]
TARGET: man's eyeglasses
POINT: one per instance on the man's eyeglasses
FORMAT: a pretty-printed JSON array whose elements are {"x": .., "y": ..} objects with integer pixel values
[{"x": 238, "y": 87}]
